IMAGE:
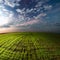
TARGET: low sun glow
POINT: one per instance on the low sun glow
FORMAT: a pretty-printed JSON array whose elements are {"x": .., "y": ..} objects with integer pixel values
[
  {"x": 3, "y": 17},
  {"x": 3, "y": 20}
]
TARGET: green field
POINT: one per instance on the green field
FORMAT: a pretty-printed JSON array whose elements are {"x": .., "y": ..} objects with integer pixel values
[{"x": 30, "y": 46}]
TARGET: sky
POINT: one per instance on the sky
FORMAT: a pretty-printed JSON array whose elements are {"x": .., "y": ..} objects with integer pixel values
[{"x": 29, "y": 15}]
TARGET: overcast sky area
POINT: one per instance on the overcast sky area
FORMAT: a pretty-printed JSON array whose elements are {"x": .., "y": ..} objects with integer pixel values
[{"x": 30, "y": 15}]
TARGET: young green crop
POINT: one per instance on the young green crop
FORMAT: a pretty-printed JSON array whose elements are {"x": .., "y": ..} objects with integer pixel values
[{"x": 30, "y": 46}]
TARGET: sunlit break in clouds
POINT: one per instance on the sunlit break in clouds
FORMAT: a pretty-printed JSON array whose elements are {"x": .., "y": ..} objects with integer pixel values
[{"x": 30, "y": 15}]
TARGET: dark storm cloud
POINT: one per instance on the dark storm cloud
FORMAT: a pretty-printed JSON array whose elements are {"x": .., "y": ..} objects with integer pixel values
[{"x": 5, "y": 26}]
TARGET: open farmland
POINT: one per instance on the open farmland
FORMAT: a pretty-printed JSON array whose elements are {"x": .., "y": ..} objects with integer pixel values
[{"x": 30, "y": 46}]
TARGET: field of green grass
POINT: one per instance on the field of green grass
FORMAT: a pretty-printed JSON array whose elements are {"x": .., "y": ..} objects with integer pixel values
[{"x": 30, "y": 46}]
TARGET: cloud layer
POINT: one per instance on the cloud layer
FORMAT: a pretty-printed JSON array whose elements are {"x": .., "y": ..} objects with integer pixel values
[{"x": 27, "y": 13}]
